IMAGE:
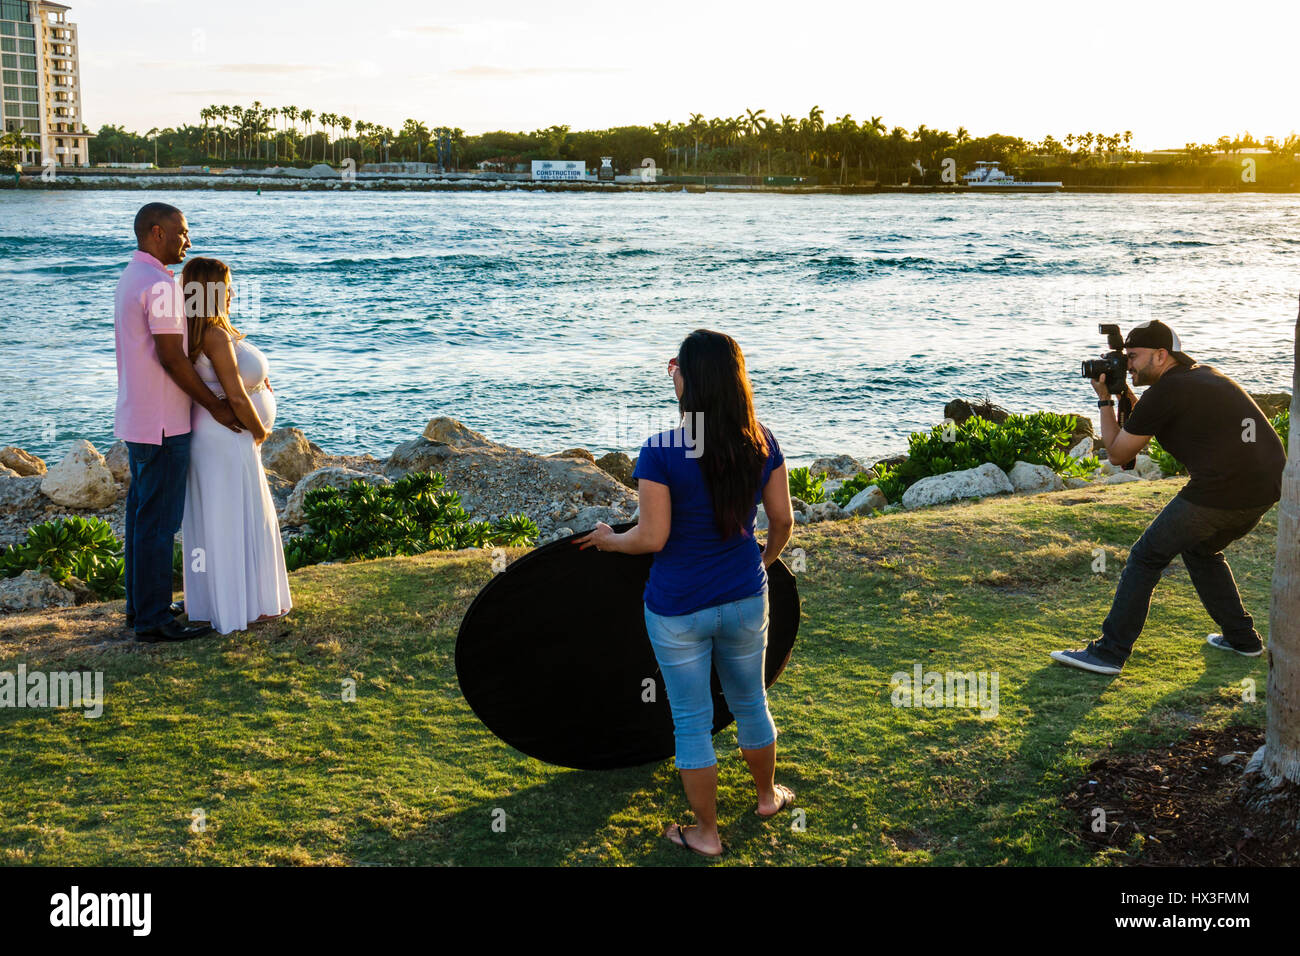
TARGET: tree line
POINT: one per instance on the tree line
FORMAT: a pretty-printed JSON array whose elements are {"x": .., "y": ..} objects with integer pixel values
[{"x": 841, "y": 151}]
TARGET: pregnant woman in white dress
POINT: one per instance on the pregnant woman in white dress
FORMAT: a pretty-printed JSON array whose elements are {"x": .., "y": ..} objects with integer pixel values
[{"x": 234, "y": 558}]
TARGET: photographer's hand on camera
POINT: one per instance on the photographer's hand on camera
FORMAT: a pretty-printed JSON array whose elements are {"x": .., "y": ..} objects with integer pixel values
[{"x": 1099, "y": 386}]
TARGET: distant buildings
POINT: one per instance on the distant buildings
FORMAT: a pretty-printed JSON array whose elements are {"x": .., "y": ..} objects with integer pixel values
[{"x": 41, "y": 81}]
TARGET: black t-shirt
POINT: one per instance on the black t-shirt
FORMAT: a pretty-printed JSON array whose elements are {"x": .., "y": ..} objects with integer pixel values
[{"x": 1202, "y": 418}]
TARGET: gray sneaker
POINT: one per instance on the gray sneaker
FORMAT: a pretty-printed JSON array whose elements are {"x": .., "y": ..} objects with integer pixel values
[
  {"x": 1221, "y": 642},
  {"x": 1085, "y": 660}
]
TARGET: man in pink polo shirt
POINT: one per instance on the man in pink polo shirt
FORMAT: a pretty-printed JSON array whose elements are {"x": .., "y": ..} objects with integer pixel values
[{"x": 156, "y": 385}]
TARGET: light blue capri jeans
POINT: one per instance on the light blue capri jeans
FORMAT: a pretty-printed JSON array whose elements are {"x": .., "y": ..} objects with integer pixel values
[{"x": 733, "y": 638}]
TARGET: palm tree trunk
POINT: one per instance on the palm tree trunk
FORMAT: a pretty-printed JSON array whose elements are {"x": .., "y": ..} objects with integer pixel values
[{"x": 1282, "y": 735}]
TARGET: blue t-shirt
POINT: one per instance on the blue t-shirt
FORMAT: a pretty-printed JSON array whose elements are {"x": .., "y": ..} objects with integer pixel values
[{"x": 697, "y": 568}]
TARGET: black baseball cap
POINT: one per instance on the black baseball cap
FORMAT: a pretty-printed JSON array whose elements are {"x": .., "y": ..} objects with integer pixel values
[{"x": 1156, "y": 335}]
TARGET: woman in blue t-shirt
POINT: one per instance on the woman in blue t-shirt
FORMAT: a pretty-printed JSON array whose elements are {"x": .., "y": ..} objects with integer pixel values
[{"x": 706, "y": 600}]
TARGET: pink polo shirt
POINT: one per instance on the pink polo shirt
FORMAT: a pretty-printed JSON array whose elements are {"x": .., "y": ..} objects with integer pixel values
[{"x": 149, "y": 404}]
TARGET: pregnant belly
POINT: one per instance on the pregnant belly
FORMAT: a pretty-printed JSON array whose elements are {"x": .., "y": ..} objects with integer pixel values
[{"x": 264, "y": 405}]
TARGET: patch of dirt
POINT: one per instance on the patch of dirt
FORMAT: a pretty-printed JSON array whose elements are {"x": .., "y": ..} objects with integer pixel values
[{"x": 1189, "y": 803}]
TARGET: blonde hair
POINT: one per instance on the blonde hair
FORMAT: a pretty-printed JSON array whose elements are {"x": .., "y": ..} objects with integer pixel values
[{"x": 204, "y": 283}]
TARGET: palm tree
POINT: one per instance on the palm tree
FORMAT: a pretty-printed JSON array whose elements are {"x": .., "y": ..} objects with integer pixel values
[
  {"x": 12, "y": 146},
  {"x": 696, "y": 128},
  {"x": 224, "y": 112},
  {"x": 755, "y": 123},
  {"x": 153, "y": 134},
  {"x": 816, "y": 125},
  {"x": 327, "y": 121},
  {"x": 307, "y": 116},
  {"x": 205, "y": 114},
  {"x": 346, "y": 123},
  {"x": 1282, "y": 733}
]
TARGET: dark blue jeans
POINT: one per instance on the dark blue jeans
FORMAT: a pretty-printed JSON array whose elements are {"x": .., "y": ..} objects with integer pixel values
[
  {"x": 1199, "y": 534},
  {"x": 155, "y": 505}
]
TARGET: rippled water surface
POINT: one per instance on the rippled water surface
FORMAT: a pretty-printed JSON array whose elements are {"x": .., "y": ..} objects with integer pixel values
[{"x": 546, "y": 320}]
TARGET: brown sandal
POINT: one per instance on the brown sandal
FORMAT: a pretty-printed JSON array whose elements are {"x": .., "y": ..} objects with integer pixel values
[{"x": 787, "y": 799}]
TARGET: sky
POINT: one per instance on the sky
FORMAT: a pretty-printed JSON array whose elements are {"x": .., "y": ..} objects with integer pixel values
[{"x": 1169, "y": 72}]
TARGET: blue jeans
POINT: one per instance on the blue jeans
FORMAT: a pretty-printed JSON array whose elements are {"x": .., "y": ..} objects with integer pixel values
[
  {"x": 1199, "y": 535},
  {"x": 732, "y": 638},
  {"x": 155, "y": 505}
]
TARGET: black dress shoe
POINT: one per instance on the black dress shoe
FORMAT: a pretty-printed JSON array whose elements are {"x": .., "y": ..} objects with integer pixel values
[
  {"x": 173, "y": 631},
  {"x": 177, "y": 608}
]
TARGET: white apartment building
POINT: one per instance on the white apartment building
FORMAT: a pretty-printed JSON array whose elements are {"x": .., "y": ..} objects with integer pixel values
[{"x": 40, "y": 81}]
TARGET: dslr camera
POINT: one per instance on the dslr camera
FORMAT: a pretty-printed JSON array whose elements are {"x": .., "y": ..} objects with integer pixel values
[{"x": 1113, "y": 366}]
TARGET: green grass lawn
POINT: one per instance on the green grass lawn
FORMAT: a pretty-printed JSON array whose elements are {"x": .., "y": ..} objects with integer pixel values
[{"x": 252, "y": 729}]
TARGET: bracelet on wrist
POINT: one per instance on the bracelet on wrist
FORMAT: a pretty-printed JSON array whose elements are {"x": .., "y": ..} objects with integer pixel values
[{"x": 1110, "y": 402}]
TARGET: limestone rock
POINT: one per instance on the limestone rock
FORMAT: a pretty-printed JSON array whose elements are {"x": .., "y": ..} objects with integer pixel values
[
  {"x": 81, "y": 592},
  {"x": 575, "y": 453},
  {"x": 339, "y": 478},
  {"x": 890, "y": 462},
  {"x": 21, "y": 494},
  {"x": 81, "y": 481},
  {"x": 118, "y": 459},
  {"x": 451, "y": 432},
  {"x": 8, "y": 473},
  {"x": 1121, "y": 477},
  {"x": 1270, "y": 403},
  {"x": 825, "y": 511},
  {"x": 1077, "y": 482},
  {"x": 281, "y": 489},
  {"x": 20, "y": 461},
  {"x": 418, "y": 454},
  {"x": 287, "y": 452},
  {"x": 1030, "y": 479},
  {"x": 798, "y": 504},
  {"x": 760, "y": 519},
  {"x": 587, "y": 517},
  {"x": 618, "y": 466},
  {"x": 1083, "y": 449},
  {"x": 987, "y": 479},
  {"x": 837, "y": 466},
  {"x": 32, "y": 591},
  {"x": 1147, "y": 468},
  {"x": 959, "y": 410},
  {"x": 866, "y": 501}
]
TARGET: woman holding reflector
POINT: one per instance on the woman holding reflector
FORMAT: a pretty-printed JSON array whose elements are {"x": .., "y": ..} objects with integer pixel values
[{"x": 706, "y": 600}]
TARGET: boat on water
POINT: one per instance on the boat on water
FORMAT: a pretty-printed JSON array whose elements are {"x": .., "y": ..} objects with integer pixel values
[{"x": 990, "y": 176}]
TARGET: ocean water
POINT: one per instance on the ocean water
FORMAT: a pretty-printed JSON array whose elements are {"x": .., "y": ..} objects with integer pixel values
[{"x": 545, "y": 320}]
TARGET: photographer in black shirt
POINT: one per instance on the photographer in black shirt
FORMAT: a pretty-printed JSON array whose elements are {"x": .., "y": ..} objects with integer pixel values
[{"x": 1235, "y": 460}]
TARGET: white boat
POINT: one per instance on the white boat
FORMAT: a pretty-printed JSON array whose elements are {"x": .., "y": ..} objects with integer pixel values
[{"x": 989, "y": 176}]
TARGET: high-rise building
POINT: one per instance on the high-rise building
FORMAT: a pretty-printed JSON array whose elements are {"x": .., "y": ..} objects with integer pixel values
[{"x": 41, "y": 81}]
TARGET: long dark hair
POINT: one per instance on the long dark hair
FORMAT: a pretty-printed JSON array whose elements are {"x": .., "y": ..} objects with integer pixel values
[{"x": 716, "y": 392}]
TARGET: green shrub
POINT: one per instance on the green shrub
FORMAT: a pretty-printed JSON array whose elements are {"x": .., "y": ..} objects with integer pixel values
[
  {"x": 1168, "y": 463},
  {"x": 410, "y": 516},
  {"x": 1040, "y": 439},
  {"x": 890, "y": 485},
  {"x": 1282, "y": 425},
  {"x": 805, "y": 485},
  {"x": 85, "y": 548}
]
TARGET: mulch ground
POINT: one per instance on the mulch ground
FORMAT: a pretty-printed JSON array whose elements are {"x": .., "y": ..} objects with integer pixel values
[{"x": 1188, "y": 804}]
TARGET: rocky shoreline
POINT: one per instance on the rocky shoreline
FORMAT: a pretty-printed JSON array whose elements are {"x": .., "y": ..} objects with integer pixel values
[{"x": 564, "y": 492}]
